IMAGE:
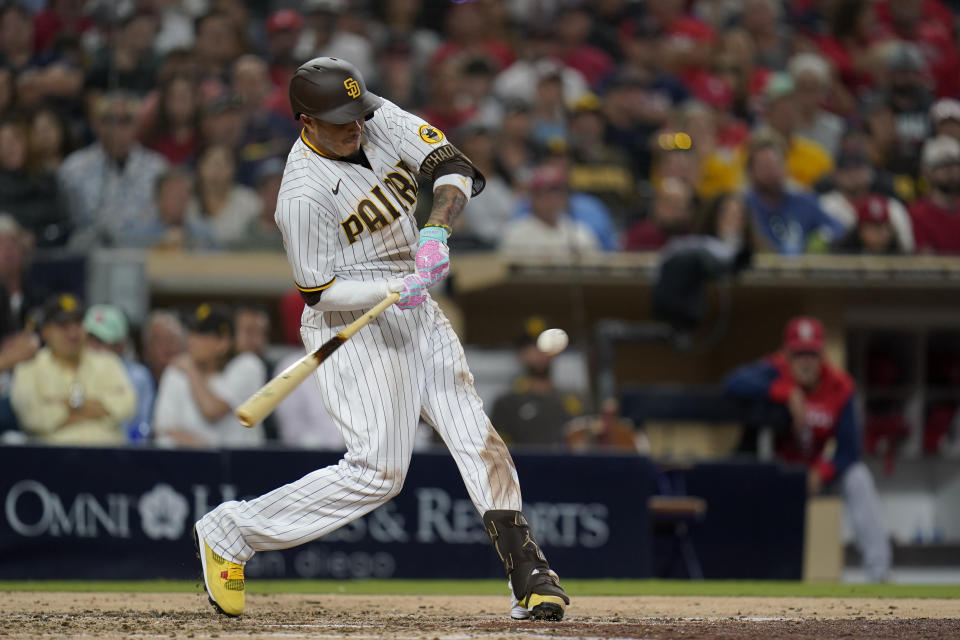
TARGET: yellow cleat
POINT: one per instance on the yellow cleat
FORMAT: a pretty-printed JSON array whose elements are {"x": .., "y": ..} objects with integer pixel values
[{"x": 223, "y": 579}]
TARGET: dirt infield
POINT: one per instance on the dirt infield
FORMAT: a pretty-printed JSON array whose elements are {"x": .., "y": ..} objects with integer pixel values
[{"x": 143, "y": 615}]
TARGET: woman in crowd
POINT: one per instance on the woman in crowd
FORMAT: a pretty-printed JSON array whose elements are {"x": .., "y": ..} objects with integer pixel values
[
  {"x": 173, "y": 133},
  {"x": 227, "y": 206}
]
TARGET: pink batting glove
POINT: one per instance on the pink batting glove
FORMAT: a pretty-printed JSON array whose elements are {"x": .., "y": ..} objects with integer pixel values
[
  {"x": 433, "y": 254},
  {"x": 412, "y": 290}
]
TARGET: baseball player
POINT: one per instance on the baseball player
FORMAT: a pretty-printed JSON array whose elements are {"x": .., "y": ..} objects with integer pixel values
[{"x": 345, "y": 209}]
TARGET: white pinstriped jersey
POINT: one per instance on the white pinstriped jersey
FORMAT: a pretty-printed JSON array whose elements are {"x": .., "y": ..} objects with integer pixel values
[{"x": 342, "y": 220}]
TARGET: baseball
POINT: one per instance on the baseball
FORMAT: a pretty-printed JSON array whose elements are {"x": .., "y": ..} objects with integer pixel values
[{"x": 552, "y": 341}]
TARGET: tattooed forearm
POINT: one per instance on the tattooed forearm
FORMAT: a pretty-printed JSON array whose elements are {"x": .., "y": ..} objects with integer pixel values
[{"x": 448, "y": 202}]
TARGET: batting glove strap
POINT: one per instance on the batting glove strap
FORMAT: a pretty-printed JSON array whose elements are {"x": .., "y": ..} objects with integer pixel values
[{"x": 438, "y": 232}]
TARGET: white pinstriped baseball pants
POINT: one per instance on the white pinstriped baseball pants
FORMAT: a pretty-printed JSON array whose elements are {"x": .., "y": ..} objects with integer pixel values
[{"x": 375, "y": 387}]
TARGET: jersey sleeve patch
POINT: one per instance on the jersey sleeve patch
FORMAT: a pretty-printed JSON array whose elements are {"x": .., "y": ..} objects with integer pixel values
[{"x": 430, "y": 134}]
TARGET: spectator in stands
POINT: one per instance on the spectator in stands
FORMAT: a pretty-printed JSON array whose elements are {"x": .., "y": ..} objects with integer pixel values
[
  {"x": 38, "y": 76},
  {"x": 302, "y": 419},
  {"x": 50, "y": 142},
  {"x": 727, "y": 218},
  {"x": 550, "y": 229},
  {"x": 849, "y": 46},
  {"x": 251, "y": 328},
  {"x": 598, "y": 168},
  {"x": 482, "y": 221},
  {"x": 853, "y": 181},
  {"x": 936, "y": 218},
  {"x": 945, "y": 115},
  {"x": 172, "y": 228},
  {"x": 61, "y": 18},
  {"x": 537, "y": 49},
  {"x": 898, "y": 112},
  {"x": 931, "y": 26},
  {"x": 806, "y": 161},
  {"x": 786, "y": 221},
  {"x": 812, "y": 77},
  {"x": 109, "y": 185},
  {"x": 163, "y": 339},
  {"x": 324, "y": 37},
  {"x": 534, "y": 412},
  {"x": 770, "y": 33},
  {"x": 821, "y": 429},
  {"x": 218, "y": 200},
  {"x": 262, "y": 233},
  {"x": 874, "y": 233},
  {"x": 268, "y": 134},
  {"x": 671, "y": 214},
  {"x": 203, "y": 387},
  {"x": 7, "y": 91},
  {"x": 128, "y": 63},
  {"x": 573, "y": 27},
  {"x": 30, "y": 195},
  {"x": 18, "y": 341},
  {"x": 173, "y": 132},
  {"x": 69, "y": 394},
  {"x": 107, "y": 330},
  {"x": 216, "y": 45}
]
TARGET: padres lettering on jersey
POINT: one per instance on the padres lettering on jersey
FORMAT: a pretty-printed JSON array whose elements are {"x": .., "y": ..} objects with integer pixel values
[{"x": 341, "y": 219}]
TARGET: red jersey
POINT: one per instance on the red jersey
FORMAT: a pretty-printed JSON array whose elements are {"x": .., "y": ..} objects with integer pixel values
[{"x": 935, "y": 229}]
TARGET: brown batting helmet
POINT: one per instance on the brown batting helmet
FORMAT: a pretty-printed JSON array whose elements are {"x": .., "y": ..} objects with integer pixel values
[{"x": 331, "y": 90}]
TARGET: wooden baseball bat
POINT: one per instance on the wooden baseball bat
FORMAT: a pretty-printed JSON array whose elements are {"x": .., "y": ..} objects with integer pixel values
[{"x": 260, "y": 404}]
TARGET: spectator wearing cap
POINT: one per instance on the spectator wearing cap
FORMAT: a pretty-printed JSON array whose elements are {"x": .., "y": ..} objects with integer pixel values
[
  {"x": 261, "y": 232},
  {"x": 807, "y": 161},
  {"x": 110, "y": 184},
  {"x": 874, "y": 233},
  {"x": 69, "y": 394},
  {"x": 898, "y": 112},
  {"x": 813, "y": 78},
  {"x": 172, "y": 228},
  {"x": 283, "y": 29},
  {"x": 945, "y": 115},
  {"x": 107, "y": 330},
  {"x": 202, "y": 388},
  {"x": 930, "y": 25},
  {"x": 854, "y": 182},
  {"x": 936, "y": 218},
  {"x": 812, "y": 406},
  {"x": 787, "y": 221},
  {"x": 671, "y": 214},
  {"x": 534, "y": 412},
  {"x": 550, "y": 229},
  {"x": 219, "y": 201},
  {"x": 597, "y": 168}
]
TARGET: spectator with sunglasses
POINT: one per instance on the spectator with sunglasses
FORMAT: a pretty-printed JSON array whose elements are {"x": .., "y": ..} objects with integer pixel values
[{"x": 109, "y": 185}]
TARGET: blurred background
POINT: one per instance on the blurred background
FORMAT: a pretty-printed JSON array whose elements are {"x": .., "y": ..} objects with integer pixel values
[{"x": 669, "y": 181}]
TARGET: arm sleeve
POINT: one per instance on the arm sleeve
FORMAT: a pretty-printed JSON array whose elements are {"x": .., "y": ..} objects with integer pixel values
[
  {"x": 757, "y": 381},
  {"x": 310, "y": 237},
  {"x": 425, "y": 149},
  {"x": 351, "y": 295},
  {"x": 901, "y": 224},
  {"x": 848, "y": 444},
  {"x": 36, "y": 414}
]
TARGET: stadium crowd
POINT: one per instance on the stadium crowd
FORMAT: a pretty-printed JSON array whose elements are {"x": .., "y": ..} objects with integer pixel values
[{"x": 789, "y": 126}]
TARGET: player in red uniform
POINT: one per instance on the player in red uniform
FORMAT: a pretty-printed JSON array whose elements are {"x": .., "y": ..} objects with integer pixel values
[{"x": 825, "y": 431}]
